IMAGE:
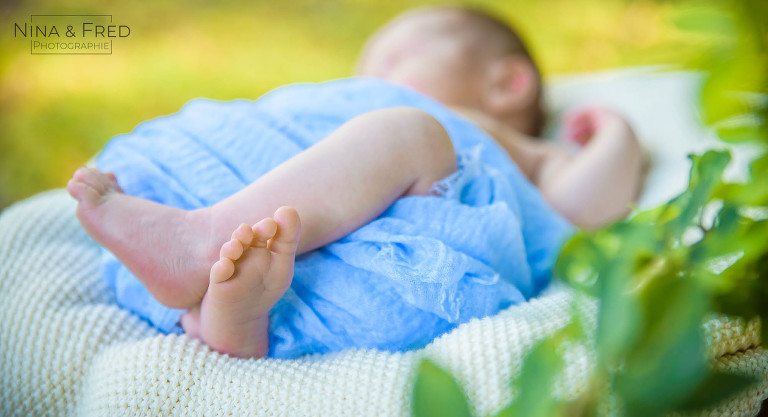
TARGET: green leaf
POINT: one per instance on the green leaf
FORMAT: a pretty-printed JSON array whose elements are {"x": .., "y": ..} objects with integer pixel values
[
  {"x": 745, "y": 297},
  {"x": 534, "y": 386},
  {"x": 619, "y": 317},
  {"x": 717, "y": 387},
  {"x": 706, "y": 172},
  {"x": 668, "y": 361},
  {"x": 754, "y": 15},
  {"x": 437, "y": 394},
  {"x": 736, "y": 67},
  {"x": 576, "y": 262}
]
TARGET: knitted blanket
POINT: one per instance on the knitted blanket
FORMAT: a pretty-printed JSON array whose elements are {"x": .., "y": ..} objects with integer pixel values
[{"x": 67, "y": 349}]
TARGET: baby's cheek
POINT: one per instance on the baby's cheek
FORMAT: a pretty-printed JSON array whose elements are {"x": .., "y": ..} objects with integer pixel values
[{"x": 410, "y": 77}]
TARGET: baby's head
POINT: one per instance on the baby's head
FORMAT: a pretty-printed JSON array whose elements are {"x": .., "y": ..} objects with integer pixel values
[{"x": 461, "y": 57}]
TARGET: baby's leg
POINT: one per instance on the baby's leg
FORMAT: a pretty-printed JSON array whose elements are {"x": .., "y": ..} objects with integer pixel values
[
  {"x": 336, "y": 186},
  {"x": 349, "y": 178}
]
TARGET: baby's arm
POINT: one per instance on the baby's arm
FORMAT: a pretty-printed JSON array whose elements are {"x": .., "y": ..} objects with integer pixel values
[
  {"x": 590, "y": 188},
  {"x": 595, "y": 185}
]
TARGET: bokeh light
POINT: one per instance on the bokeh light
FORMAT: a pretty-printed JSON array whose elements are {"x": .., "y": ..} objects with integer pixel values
[{"x": 56, "y": 112}]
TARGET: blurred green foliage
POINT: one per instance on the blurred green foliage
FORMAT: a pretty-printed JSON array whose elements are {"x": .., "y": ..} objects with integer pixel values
[
  {"x": 660, "y": 273},
  {"x": 437, "y": 394},
  {"x": 57, "y": 111}
]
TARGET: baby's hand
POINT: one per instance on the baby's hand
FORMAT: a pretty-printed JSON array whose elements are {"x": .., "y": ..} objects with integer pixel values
[{"x": 583, "y": 125}]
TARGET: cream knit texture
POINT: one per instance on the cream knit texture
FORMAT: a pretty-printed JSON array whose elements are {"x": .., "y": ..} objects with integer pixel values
[{"x": 67, "y": 349}]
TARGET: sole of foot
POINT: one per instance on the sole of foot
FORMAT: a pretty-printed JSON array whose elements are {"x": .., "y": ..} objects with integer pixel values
[
  {"x": 253, "y": 272},
  {"x": 166, "y": 248}
]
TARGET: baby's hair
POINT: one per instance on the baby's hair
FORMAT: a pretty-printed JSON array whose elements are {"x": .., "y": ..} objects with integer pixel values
[
  {"x": 483, "y": 33},
  {"x": 495, "y": 32},
  {"x": 498, "y": 37}
]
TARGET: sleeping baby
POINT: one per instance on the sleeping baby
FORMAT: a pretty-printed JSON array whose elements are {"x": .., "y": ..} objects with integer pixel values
[{"x": 378, "y": 211}]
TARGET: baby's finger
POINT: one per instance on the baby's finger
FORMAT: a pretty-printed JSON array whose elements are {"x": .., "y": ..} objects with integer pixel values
[{"x": 579, "y": 128}]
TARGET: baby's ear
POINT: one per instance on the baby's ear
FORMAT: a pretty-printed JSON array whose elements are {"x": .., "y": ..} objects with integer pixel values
[{"x": 512, "y": 85}]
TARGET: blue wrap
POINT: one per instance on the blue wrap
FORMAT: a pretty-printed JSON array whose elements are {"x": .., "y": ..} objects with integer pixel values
[{"x": 485, "y": 241}]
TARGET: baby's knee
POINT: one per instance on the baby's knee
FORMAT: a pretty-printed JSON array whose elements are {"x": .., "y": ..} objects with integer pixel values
[
  {"x": 416, "y": 121},
  {"x": 423, "y": 135}
]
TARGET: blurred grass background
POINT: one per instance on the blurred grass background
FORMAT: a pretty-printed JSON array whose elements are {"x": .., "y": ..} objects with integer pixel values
[{"x": 56, "y": 112}]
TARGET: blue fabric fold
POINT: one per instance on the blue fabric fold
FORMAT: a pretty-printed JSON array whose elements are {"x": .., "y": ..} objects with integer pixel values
[{"x": 483, "y": 241}]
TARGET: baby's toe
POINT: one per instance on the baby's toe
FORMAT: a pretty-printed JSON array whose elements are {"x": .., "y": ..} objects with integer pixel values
[
  {"x": 244, "y": 234},
  {"x": 232, "y": 249},
  {"x": 83, "y": 192},
  {"x": 94, "y": 178},
  {"x": 222, "y": 270},
  {"x": 111, "y": 177},
  {"x": 263, "y": 231},
  {"x": 289, "y": 228},
  {"x": 113, "y": 182}
]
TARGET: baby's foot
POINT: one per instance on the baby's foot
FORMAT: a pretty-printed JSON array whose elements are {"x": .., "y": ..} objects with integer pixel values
[
  {"x": 254, "y": 270},
  {"x": 168, "y": 249}
]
